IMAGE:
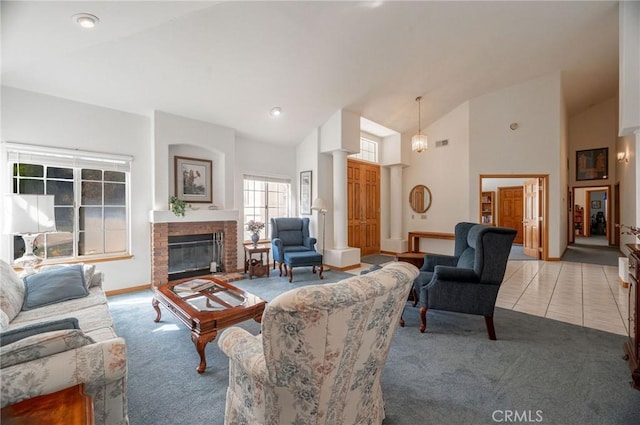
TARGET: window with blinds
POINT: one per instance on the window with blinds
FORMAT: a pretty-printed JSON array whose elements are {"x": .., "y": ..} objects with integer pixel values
[
  {"x": 264, "y": 198},
  {"x": 91, "y": 199}
]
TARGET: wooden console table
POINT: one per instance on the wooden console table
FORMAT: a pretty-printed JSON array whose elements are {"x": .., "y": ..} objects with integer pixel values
[
  {"x": 70, "y": 406},
  {"x": 413, "y": 241}
]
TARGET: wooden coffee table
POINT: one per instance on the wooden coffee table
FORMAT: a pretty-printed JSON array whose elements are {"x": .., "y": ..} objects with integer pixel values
[{"x": 205, "y": 312}]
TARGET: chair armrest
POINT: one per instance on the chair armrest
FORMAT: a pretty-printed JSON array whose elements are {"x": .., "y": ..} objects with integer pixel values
[
  {"x": 455, "y": 274},
  {"x": 309, "y": 243},
  {"x": 96, "y": 365},
  {"x": 433, "y": 260},
  {"x": 277, "y": 249},
  {"x": 245, "y": 350}
]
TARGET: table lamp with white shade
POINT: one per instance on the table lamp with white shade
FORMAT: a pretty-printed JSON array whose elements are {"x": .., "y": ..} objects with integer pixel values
[
  {"x": 29, "y": 216},
  {"x": 320, "y": 205}
]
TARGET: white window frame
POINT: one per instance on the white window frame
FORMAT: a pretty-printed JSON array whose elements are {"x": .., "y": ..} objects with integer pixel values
[
  {"x": 76, "y": 160},
  {"x": 366, "y": 154},
  {"x": 265, "y": 214}
]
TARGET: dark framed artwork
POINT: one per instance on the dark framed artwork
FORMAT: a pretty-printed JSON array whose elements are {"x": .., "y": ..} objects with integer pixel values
[
  {"x": 596, "y": 205},
  {"x": 193, "y": 179},
  {"x": 305, "y": 192},
  {"x": 592, "y": 164}
]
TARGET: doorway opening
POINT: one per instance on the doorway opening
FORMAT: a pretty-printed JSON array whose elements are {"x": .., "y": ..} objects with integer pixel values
[
  {"x": 591, "y": 218},
  {"x": 521, "y": 203}
]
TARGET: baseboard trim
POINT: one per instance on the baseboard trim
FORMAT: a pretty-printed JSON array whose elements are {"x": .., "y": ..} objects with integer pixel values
[
  {"x": 343, "y": 269},
  {"x": 128, "y": 290}
]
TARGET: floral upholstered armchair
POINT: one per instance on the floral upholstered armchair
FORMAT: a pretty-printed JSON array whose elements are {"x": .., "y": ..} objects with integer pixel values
[{"x": 321, "y": 353}]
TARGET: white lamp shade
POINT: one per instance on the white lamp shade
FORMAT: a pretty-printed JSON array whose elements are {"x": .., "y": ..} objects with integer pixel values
[
  {"x": 319, "y": 204},
  {"x": 30, "y": 214}
]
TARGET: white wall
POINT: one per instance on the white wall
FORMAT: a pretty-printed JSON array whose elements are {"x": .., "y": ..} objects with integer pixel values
[
  {"x": 445, "y": 171},
  {"x": 182, "y": 135},
  {"x": 533, "y": 148},
  {"x": 629, "y": 106},
  {"x": 35, "y": 118},
  {"x": 306, "y": 158},
  {"x": 627, "y": 173}
]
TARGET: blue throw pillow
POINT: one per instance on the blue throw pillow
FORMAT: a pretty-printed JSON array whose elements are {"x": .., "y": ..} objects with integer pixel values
[
  {"x": 13, "y": 335},
  {"x": 54, "y": 286}
]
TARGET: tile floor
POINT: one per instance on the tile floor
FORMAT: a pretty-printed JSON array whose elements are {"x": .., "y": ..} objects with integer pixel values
[{"x": 583, "y": 294}]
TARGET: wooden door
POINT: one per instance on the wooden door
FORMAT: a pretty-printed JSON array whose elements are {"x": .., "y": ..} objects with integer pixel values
[
  {"x": 510, "y": 210},
  {"x": 363, "y": 206},
  {"x": 531, "y": 218}
]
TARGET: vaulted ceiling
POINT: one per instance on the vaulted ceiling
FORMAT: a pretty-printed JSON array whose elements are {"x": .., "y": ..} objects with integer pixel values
[{"x": 230, "y": 62}]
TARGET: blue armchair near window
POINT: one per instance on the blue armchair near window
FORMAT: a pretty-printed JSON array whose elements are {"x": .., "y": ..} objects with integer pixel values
[
  {"x": 468, "y": 281},
  {"x": 289, "y": 234}
]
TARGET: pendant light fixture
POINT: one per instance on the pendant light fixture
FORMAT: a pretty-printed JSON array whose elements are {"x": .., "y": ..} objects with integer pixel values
[{"x": 419, "y": 141}]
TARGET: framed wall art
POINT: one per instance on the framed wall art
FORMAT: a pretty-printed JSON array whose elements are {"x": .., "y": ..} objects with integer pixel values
[
  {"x": 193, "y": 179},
  {"x": 305, "y": 192},
  {"x": 592, "y": 164}
]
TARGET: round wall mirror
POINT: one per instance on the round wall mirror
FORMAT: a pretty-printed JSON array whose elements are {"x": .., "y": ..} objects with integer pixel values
[{"x": 420, "y": 198}]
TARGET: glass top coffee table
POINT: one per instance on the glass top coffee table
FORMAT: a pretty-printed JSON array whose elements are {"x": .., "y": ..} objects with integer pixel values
[{"x": 205, "y": 305}]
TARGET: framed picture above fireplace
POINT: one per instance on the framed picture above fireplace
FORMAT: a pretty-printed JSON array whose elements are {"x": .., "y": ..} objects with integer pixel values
[{"x": 193, "y": 179}]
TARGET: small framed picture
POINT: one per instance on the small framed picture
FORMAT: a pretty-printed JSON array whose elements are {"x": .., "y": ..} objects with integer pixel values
[
  {"x": 596, "y": 205},
  {"x": 592, "y": 164},
  {"x": 305, "y": 192},
  {"x": 193, "y": 179}
]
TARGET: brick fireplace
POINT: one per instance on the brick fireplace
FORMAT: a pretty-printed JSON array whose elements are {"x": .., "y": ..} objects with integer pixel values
[{"x": 162, "y": 229}]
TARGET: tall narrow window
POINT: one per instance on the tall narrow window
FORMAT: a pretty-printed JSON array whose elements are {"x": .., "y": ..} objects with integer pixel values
[
  {"x": 264, "y": 198},
  {"x": 90, "y": 199}
]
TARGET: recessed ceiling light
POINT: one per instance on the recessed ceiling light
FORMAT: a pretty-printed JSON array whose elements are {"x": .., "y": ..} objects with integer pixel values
[
  {"x": 277, "y": 111},
  {"x": 85, "y": 20}
]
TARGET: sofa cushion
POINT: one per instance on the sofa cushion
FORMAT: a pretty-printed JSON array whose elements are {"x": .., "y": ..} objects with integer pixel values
[
  {"x": 54, "y": 286},
  {"x": 88, "y": 270},
  {"x": 11, "y": 291},
  {"x": 13, "y": 335},
  {"x": 42, "y": 345}
]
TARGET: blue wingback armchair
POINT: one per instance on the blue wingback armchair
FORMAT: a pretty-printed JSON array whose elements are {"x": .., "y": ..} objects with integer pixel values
[
  {"x": 289, "y": 234},
  {"x": 468, "y": 281}
]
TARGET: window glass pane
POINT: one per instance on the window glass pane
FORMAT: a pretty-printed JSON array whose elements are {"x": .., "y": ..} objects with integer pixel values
[
  {"x": 15, "y": 186},
  {"x": 30, "y": 170},
  {"x": 64, "y": 219},
  {"x": 114, "y": 176},
  {"x": 59, "y": 245},
  {"x": 91, "y": 174},
  {"x": 91, "y": 218},
  {"x": 60, "y": 173},
  {"x": 91, "y": 193},
  {"x": 31, "y": 187},
  {"x": 115, "y": 218},
  {"x": 62, "y": 191},
  {"x": 90, "y": 243},
  {"x": 115, "y": 241},
  {"x": 114, "y": 194}
]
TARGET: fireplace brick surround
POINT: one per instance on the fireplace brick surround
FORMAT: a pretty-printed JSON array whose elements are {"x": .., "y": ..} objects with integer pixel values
[{"x": 160, "y": 233}]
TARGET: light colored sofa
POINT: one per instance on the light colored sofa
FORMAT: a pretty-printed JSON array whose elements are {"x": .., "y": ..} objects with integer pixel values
[
  {"x": 321, "y": 352},
  {"x": 49, "y": 361}
]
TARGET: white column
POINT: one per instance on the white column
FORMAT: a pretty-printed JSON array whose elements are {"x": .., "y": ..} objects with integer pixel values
[
  {"x": 340, "y": 225},
  {"x": 395, "y": 199}
]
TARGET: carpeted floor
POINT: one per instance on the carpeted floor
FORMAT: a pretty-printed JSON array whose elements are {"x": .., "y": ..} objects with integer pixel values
[
  {"x": 592, "y": 254},
  {"x": 376, "y": 259},
  {"x": 450, "y": 375}
]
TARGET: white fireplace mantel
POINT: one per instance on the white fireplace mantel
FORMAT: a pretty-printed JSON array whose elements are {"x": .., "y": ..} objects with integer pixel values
[{"x": 165, "y": 216}]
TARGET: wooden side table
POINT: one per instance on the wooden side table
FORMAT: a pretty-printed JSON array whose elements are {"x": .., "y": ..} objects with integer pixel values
[
  {"x": 256, "y": 266},
  {"x": 70, "y": 406}
]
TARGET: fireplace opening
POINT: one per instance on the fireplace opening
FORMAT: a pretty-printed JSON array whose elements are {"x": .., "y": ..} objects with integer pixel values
[{"x": 195, "y": 255}]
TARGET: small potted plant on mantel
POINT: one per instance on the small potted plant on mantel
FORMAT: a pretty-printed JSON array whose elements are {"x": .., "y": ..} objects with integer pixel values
[{"x": 177, "y": 206}]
